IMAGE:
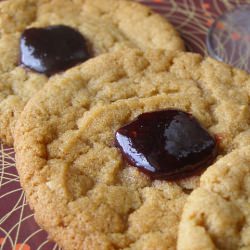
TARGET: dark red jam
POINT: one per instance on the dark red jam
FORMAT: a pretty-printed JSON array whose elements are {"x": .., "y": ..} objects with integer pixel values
[
  {"x": 52, "y": 49},
  {"x": 168, "y": 144}
]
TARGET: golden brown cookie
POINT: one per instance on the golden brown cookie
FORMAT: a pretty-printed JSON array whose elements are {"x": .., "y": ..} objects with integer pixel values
[
  {"x": 217, "y": 214},
  {"x": 82, "y": 190},
  {"x": 106, "y": 25}
]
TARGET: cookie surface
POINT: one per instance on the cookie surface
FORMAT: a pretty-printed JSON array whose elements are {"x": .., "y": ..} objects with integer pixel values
[
  {"x": 82, "y": 191},
  {"x": 106, "y": 25},
  {"x": 217, "y": 214}
]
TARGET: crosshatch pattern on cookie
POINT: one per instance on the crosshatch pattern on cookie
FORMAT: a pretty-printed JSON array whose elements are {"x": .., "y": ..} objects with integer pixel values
[{"x": 72, "y": 121}]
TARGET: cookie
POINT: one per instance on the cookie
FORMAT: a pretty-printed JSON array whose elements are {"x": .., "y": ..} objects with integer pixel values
[
  {"x": 81, "y": 187},
  {"x": 105, "y": 26},
  {"x": 217, "y": 214}
]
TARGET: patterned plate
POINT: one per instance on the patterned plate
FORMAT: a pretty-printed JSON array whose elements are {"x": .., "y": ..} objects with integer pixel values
[
  {"x": 228, "y": 38},
  {"x": 18, "y": 230}
]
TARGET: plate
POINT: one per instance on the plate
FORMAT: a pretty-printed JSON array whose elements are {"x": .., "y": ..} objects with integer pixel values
[{"x": 18, "y": 230}]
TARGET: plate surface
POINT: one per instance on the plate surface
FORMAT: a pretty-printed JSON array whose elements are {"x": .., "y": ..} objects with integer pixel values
[{"x": 18, "y": 230}]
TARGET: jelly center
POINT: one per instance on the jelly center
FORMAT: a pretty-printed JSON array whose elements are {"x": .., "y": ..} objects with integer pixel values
[
  {"x": 167, "y": 144},
  {"x": 52, "y": 49}
]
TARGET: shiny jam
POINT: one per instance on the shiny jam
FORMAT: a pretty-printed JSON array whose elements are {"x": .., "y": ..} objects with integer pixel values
[
  {"x": 52, "y": 49},
  {"x": 167, "y": 144}
]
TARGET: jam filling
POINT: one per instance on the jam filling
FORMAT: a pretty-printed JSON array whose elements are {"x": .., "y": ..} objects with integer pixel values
[
  {"x": 167, "y": 144},
  {"x": 52, "y": 49}
]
